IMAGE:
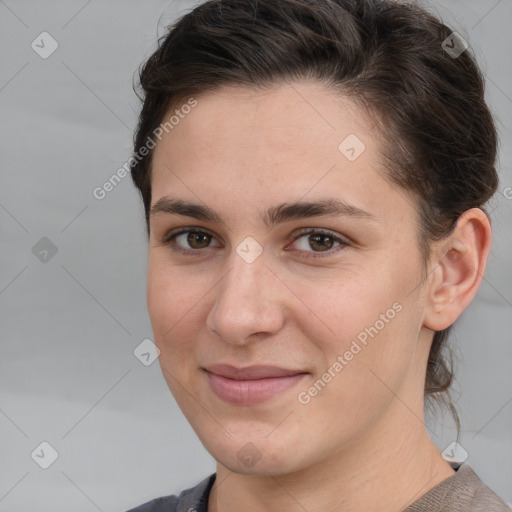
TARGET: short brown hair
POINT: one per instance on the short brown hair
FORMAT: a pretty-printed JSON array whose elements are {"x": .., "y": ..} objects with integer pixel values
[{"x": 387, "y": 55}]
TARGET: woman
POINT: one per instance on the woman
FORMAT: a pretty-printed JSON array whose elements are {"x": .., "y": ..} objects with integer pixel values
[{"x": 313, "y": 175}]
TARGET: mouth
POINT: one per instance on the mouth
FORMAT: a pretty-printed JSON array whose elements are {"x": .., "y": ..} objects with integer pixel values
[{"x": 250, "y": 385}]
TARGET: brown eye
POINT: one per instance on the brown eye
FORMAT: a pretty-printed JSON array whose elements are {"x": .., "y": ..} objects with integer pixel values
[
  {"x": 189, "y": 241},
  {"x": 321, "y": 242},
  {"x": 198, "y": 240},
  {"x": 318, "y": 241}
]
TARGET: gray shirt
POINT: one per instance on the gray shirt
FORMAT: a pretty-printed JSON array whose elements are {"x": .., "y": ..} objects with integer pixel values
[{"x": 461, "y": 492}]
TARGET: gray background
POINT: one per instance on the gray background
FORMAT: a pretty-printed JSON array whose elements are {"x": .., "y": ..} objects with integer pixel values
[{"x": 69, "y": 325}]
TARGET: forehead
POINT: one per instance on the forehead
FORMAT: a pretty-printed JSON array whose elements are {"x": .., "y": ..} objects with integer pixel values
[
  {"x": 279, "y": 118},
  {"x": 284, "y": 142}
]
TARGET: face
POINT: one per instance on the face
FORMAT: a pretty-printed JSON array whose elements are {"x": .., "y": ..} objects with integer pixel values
[{"x": 285, "y": 332}]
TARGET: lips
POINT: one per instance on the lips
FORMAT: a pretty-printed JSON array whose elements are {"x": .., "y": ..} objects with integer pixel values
[
  {"x": 250, "y": 385},
  {"x": 251, "y": 372}
]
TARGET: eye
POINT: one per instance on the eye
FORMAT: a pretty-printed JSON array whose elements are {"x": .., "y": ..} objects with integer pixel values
[
  {"x": 188, "y": 241},
  {"x": 321, "y": 241},
  {"x": 192, "y": 242}
]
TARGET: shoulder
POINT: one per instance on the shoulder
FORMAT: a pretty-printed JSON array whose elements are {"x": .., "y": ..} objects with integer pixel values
[
  {"x": 464, "y": 492},
  {"x": 474, "y": 494},
  {"x": 194, "y": 499},
  {"x": 485, "y": 499}
]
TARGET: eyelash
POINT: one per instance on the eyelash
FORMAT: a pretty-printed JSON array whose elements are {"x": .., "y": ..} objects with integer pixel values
[{"x": 169, "y": 240}]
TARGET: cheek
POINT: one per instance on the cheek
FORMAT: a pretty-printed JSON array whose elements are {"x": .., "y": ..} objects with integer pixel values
[
  {"x": 173, "y": 308},
  {"x": 353, "y": 307},
  {"x": 172, "y": 303},
  {"x": 361, "y": 369},
  {"x": 366, "y": 330}
]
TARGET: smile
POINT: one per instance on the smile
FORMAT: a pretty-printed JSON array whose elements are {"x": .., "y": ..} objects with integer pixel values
[{"x": 249, "y": 391}]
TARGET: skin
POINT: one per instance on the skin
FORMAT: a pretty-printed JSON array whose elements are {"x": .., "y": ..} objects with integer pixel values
[{"x": 361, "y": 442}]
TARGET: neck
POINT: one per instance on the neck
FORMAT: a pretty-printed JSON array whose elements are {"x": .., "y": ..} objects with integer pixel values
[{"x": 389, "y": 478}]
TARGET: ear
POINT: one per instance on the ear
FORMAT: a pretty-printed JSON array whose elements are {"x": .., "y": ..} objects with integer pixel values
[{"x": 457, "y": 269}]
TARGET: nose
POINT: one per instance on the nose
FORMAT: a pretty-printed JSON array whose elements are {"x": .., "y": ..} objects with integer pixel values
[{"x": 248, "y": 304}]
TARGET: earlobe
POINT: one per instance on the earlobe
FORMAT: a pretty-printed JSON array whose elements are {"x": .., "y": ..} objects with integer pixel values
[{"x": 458, "y": 268}]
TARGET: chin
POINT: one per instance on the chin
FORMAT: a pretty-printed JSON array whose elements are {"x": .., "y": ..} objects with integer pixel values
[
  {"x": 257, "y": 455},
  {"x": 262, "y": 467}
]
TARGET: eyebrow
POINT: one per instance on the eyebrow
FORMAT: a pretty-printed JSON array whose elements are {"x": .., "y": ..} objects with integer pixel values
[{"x": 273, "y": 216}]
